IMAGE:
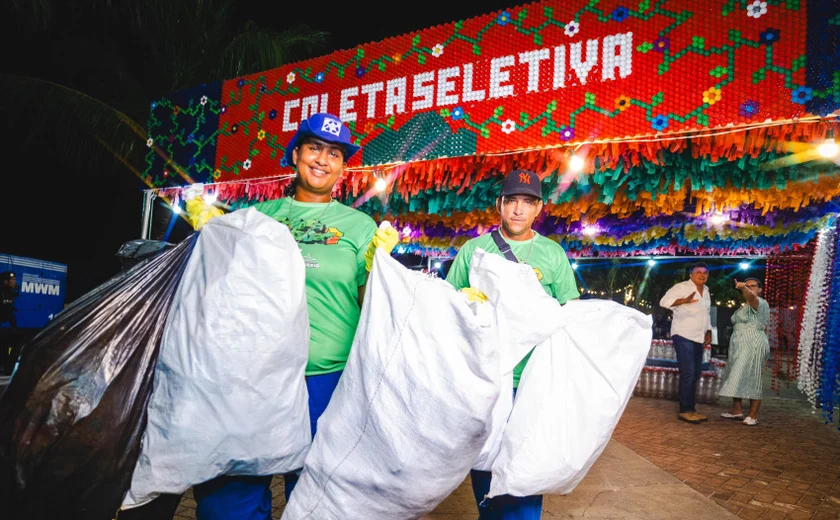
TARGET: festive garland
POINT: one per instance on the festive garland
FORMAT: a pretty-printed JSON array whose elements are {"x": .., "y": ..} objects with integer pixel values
[
  {"x": 829, "y": 393},
  {"x": 813, "y": 317},
  {"x": 786, "y": 281}
]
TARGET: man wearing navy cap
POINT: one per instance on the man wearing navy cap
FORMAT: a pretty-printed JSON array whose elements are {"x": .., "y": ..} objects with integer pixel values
[{"x": 520, "y": 202}]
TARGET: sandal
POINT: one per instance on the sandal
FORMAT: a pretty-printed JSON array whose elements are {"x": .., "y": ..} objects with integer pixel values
[
  {"x": 727, "y": 415},
  {"x": 749, "y": 421}
]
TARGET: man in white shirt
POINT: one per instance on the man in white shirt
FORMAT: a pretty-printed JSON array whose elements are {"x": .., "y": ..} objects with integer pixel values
[{"x": 691, "y": 332}]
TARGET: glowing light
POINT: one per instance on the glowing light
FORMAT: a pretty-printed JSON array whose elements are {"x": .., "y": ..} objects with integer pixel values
[
  {"x": 744, "y": 266},
  {"x": 718, "y": 219},
  {"x": 380, "y": 184},
  {"x": 210, "y": 198},
  {"x": 651, "y": 262},
  {"x": 828, "y": 148},
  {"x": 576, "y": 163},
  {"x": 437, "y": 265},
  {"x": 407, "y": 230},
  {"x": 176, "y": 209},
  {"x": 591, "y": 231},
  {"x": 575, "y": 265}
]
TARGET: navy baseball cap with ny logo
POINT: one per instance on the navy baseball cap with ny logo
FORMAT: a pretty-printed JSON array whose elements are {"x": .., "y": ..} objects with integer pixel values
[{"x": 522, "y": 182}]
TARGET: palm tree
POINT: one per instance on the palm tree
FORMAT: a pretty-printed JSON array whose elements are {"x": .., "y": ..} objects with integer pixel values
[{"x": 109, "y": 59}]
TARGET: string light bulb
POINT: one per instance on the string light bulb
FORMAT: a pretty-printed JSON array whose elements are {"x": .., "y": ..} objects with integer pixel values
[
  {"x": 576, "y": 163},
  {"x": 744, "y": 266},
  {"x": 176, "y": 209},
  {"x": 828, "y": 148}
]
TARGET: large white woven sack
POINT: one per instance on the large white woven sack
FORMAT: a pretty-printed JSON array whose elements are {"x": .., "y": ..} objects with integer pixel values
[
  {"x": 571, "y": 395},
  {"x": 413, "y": 407},
  {"x": 229, "y": 394}
]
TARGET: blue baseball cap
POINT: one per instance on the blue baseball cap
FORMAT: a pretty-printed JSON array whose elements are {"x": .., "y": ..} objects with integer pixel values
[{"x": 325, "y": 127}]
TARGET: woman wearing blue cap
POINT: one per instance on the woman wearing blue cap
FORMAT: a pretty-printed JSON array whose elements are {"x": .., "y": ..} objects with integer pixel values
[{"x": 337, "y": 243}]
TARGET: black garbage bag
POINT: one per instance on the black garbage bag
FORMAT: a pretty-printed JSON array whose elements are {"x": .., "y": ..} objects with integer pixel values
[
  {"x": 74, "y": 413},
  {"x": 137, "y": 251}
]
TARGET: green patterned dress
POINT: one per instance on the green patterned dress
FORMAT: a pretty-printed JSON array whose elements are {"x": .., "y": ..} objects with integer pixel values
[{"x": 747, "y": 351}]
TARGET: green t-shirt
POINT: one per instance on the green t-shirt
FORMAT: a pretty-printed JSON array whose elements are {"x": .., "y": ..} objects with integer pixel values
[
  {"x": 547, "y": 258},
  {"x": 333, "y": 241}
]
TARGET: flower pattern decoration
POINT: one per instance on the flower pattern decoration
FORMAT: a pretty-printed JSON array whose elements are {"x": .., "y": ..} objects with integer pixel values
[
  {"x": 748, "y": 109},
  {"x": 659, "y": 122},
  {"x": 509, "y": 126},
  {"x": 291, "y": 77},
  {"x": 620, "y": 14},
  {"x": 802, "y": 95},
  {"x": 567, "y": 134},
  {"x": 712, "y": 96},
  {"x": 757, "y": 9},
  {"x": 457, "y": 113},
  {"x": 769, "y": 37},
  {"x": 437, "y": 50},
  {"x": 571, "y": 28},
  {"x": 503, "y": 18},
  {"x": 622, "y": 103},
  {"x": 246, "y": 164},
  {"x": 661, "y": 44}
]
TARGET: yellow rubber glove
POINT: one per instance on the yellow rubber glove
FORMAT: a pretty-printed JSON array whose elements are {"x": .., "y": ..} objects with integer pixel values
[
  {"x": 385, "y": 238},
  {"x": 199, "y": 212},
  {"x": 474, "y": 295}
]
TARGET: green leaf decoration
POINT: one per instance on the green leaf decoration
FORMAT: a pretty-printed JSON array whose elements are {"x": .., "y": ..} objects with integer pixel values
[
  {"x": 657, "y": 99},
  {"x": 645, "y": 47},
  {"x": 416, "y": 40},
  {"x": 360, "y": 52},
  {"x": 476, "y": 49},
  {"x": 498, "y": 111},
  {"x": 421, "y": 59},
  {"x": 589, "y": 98},
  {"x": 523, "y": 117},
  {"x": 485, "y": 132}
]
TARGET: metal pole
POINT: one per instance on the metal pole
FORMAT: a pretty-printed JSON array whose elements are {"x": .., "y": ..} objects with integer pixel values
[{"x": 148, "y": 208}]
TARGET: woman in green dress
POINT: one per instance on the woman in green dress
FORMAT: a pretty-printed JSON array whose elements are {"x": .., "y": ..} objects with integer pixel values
[{"x": 748, "y": 348}]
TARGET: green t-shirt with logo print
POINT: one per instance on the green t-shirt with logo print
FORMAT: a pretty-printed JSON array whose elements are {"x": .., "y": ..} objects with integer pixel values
[
  {"x": 547, "y": 257},
  {"x": 333, "y": 239}
]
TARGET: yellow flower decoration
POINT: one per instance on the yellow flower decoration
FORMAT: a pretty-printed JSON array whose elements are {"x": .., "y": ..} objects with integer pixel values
[
  {"x": 622, "y": 103},
  {"x": 712, "y": 96},
  {"x": 397, "y": 58},
  {"x": 261, "y": 135},
  {"x": 217, "y": 173}
]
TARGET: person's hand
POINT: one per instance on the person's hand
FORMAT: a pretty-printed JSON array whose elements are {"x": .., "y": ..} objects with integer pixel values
[
  {"x": 740, "y": 285},
  {"x": 474, "y": 295},
  {"x": 688, "y": 299},
  {"x": 199, "y": 212},
  {"x": 385, "y": 238}
]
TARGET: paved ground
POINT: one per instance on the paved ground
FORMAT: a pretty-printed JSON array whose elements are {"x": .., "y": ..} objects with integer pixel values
[
  {"x": 621, "y": 485},
  {"x": 656, "y": 467}
]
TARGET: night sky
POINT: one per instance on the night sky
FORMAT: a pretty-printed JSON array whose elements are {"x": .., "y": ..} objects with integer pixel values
[{"x": 63, "y": 210}]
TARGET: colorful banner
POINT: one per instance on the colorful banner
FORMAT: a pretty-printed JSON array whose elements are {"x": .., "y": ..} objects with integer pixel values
[
  {"x": 532, "y": 76},
  {"x": 444, "y": 112}
]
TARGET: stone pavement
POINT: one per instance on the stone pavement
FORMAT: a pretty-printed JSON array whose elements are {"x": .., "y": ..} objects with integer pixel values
[
  {"x": 787, "y": 466},
  {"x": 621, "y": 485},
  {"x": 656, "y": 467}
]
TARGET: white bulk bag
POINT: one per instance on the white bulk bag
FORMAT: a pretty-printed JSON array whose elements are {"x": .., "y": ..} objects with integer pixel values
[
  {"x": 229, "y": 393},
  {"x": 570, "y": 397},
  {"x": 413, "y": 406},
  {"x": 525, "y": 317}
]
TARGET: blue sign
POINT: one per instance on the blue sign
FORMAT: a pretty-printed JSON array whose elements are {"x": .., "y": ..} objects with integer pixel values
[{"x": 41, "y": 288}]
